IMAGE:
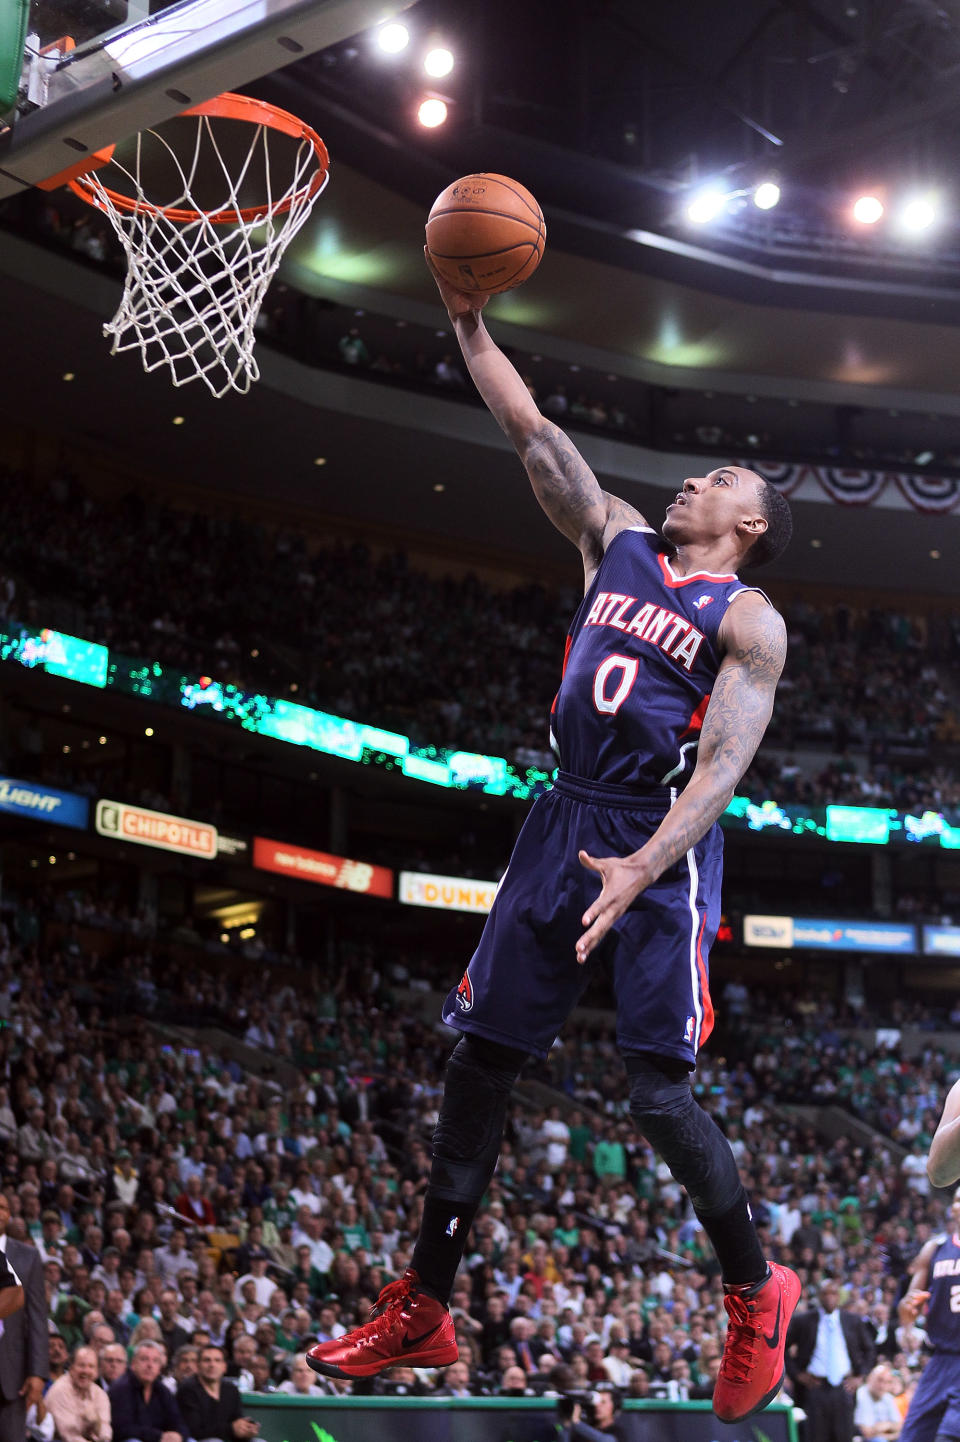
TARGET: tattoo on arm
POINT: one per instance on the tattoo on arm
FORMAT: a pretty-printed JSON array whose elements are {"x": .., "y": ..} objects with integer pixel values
[
  {"x": 570, "y": 494},
  {"x": 737, "y": 716},
  {"x": 565, "y": 485},
  {"x": 620, "y": 515},
  {"x": 742, "y": 701}
]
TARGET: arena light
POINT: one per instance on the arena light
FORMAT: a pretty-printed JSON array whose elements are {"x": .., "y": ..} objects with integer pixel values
[
  {"x": 438, "y": 61},
  {"x": 706, "y": 206},
  {"x": 918, "y": 214},
  {"x": 393, "y": 38},
  {"x": 766, "y": 195},
  {"x": 867, "y": 210},
  {"x": 432, "y": 112}
]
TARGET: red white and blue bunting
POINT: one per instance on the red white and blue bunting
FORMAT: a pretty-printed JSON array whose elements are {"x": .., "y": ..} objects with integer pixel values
[{"x": 852, "y": 487}]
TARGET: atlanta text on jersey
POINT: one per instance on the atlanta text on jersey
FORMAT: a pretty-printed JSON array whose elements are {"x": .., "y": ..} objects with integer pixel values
[{"x": 672, "y": 633}]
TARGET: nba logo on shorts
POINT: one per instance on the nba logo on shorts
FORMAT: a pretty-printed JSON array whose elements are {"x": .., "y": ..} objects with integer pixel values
[
  {"x": 688, "y": 1029},
  {"x": 465, "y": 993}
]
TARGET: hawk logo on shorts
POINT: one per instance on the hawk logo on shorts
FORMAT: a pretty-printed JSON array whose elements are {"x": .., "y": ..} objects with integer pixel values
[
  {"x": 702, "y": 601},
  {"x": 688, "y": 1029},
  {"x": 465, "y": 993}
]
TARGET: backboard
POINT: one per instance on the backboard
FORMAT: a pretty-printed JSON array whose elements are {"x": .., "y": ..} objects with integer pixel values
[{"x": 129, "y": 64}]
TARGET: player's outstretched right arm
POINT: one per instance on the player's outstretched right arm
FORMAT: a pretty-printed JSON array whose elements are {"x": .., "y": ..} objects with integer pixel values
[
  {"x": 943, "y": 1163},
  {"x": 562, "y": 482}
]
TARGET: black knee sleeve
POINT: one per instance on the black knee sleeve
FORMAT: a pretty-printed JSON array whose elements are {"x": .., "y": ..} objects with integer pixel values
[
  {"x": 690, "y": 1142},
  {"x": 466, "y": 1141}
]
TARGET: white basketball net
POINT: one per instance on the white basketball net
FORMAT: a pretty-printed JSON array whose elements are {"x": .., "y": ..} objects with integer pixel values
[{"x": 194, "y": 288}]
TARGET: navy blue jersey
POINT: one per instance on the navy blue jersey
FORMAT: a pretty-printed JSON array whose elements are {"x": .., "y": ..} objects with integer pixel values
[
  {"x": 641, "y": 660},
  {"x": 943, "y": 1308}
]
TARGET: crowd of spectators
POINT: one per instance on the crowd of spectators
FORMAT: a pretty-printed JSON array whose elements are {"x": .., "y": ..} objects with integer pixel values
[
  {"x": 467, "y": 666},
  {"x": 179, "y": 1197}
]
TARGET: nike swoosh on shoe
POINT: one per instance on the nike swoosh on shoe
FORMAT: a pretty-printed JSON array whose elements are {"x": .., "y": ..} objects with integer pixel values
[{"x": 774, "y": 1339}]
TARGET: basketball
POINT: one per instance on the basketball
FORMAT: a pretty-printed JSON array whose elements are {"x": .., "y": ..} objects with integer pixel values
[{"x": 485, "y": 233}]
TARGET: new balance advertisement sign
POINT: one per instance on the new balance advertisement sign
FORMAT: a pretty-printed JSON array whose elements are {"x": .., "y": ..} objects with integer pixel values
[
  {"x": 322, "y": 867},
  {"x": 156, "y": 828},
  {"x": 26, "y": 798}
]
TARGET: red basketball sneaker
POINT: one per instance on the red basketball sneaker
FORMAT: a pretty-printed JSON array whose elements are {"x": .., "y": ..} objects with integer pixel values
[
  {"x": 751, "y": 1371},
  {"x": 406, "y": 1328}
]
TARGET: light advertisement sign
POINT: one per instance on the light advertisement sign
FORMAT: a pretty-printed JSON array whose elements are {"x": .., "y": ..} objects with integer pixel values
[
  {"x": 815, "y": 934},
  {"x": 322, "y": 867},
  {"x": 44, "y": 803},
  {"x": 155, "y": 828},
  {"x": 941, "y": 941},
  {"x": 448, "y": 893}
]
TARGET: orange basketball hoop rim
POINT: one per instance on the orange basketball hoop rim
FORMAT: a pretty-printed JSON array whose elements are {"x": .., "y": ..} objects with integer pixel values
[{"x": 228, "y": 106}]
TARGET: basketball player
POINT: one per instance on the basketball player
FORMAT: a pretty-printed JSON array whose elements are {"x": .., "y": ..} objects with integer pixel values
[
  {"x": 668, "y": 683},
  {"x": 943, "y": 1163},
  {"x": 934, "y": 1411}
]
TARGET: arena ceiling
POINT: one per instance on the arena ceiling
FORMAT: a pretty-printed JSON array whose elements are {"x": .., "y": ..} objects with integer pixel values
[{"x": 615, "y": 110}]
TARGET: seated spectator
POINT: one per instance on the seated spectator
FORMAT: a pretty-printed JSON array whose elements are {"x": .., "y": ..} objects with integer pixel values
[
  {"x": 210, "y": 1403},
  {"x": 194, "y": 1206},
  {"x": 513, "y": 1383},
  {"x": 243, "y": 1351},
  {"x": 447, "y": 373},
  {"x": 262, "y": 1374},
  {"x": 185, "y": 1362},
  {"x": 174, "y": 1257},
  {"x": 113, "y": 1364},
  {"x": 353, "y": 351},
  {"x": 877, "y": 1414},
  {"x": 59, "y": 1354},
  {"x": 456, "y": 1381},
  {"x": 172, "y": 1334},
  {"x": 303, "y": 1381},
  {"x": 263, "y": 1286},
  {"x": 141, "y": 1407},
  {"x": 80, "y": 1409},
  {"x": 125, "y": 1180}
]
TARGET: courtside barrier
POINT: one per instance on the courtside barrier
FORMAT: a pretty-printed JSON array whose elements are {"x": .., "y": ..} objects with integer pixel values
[{"x": 490, "y": 1419}]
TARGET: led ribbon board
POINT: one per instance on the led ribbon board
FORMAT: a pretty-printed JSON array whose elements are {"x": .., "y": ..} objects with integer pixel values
[{"x": 298, "y": 725}]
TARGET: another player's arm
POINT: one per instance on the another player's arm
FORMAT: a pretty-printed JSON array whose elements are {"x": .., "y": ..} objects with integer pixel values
[
  {"x": 943, "y": 1163},
  {"x": 740, "y": 708},
  {"x": 917, "y": 1294},
  {"x": 562, "y": 482}
]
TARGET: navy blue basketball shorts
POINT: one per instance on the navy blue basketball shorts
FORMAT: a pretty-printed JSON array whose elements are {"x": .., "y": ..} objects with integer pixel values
[
  {"x": 934, "y": 1409},
  {"x": 524, "y": 979}
]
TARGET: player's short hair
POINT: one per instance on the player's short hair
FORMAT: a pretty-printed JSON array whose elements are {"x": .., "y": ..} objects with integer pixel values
[{"x": 775, "y": 509}]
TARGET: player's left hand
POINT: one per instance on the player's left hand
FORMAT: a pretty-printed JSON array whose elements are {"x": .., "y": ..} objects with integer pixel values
[{"x": 623, "y": 880}]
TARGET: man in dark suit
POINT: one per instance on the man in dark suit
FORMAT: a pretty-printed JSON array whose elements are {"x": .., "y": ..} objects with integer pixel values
[
  {"x": 829, "y": 1352},
  {"x": 210, "y": 1403},
  {"x": 24, "y": 1349}
]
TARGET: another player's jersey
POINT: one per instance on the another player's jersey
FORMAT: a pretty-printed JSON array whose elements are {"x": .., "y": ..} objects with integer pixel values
[
  {"x": 641, "y": 661},
  {"x": 943, "y": 1308}
]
